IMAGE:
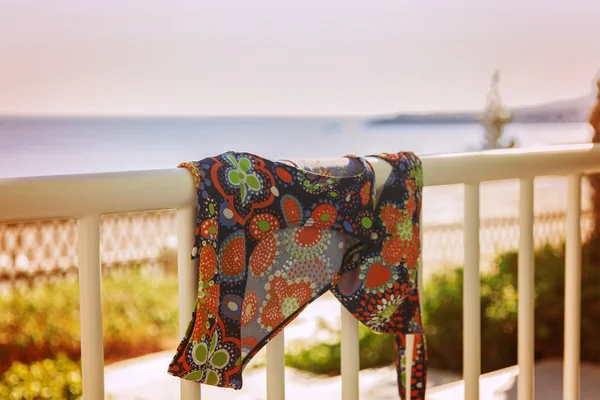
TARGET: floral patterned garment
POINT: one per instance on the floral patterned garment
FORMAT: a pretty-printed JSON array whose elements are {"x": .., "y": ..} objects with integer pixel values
[{"x": 272, "y": 237}]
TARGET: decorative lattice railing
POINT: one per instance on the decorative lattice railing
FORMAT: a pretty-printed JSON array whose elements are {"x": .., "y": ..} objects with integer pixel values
[{"x": 38, "y": 250}]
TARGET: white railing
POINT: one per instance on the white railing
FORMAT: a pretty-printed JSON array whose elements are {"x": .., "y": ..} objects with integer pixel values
[{"x": 88, "y": 197}]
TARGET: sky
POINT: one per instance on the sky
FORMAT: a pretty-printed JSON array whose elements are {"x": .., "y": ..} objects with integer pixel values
[{"x": 292, "y": 57}]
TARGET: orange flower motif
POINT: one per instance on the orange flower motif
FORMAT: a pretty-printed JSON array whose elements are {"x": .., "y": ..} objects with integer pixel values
[
  {"x": 390, "y": 217},
  {"x": 263, "y": 256},
  {"x": 365, "y": 193},
  {"x": 232, "y": 257},
  {"x": 292, "y": 210},
  {"x": 284, "y": 298},
  {"x": 283, "y": 174},
  {"x": 324, "y": 216},
  {"x": 393, "y": 250},
  {"x": 210, "y": 229},
  {"x": 411, "y": 256},
  {"x": 208, "y": 262},
  {"x": 262, "y": 224},
  {"x": 411, "y": 205},
  {"x": 207, "y": 307},
  {"x": 249, "y": 307},
  {"x": 377, "y": 276}
]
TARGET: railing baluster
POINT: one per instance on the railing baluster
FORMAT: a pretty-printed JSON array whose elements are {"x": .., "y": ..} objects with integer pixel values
[
  {"x": 572, "y": 290},
  {"x": 526, "y": 291},
  {"x": 350, "y": 357},
  {"x": 276, "y": 367},
  {"x": 187, "y": 273},
  {"x": 420, "y": 271},
  {"x": 421, "y": 295},
  {"x": 410, "y": 345},
  {"x": 90, "y": 303},
  {"x": 471, "y": 296}
]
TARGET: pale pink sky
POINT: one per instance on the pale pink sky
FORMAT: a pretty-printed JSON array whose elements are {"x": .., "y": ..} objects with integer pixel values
[{"x": 205, "y": 57}]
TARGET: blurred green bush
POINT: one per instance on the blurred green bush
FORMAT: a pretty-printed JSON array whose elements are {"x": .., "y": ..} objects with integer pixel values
[
  {"x": 139, "y": 317},
  {"x": 442, "y": 306},
  {"x": 41, "y": 329},
  {"x": 324, "y": 358},
  {"x": 58, "y": 378}
]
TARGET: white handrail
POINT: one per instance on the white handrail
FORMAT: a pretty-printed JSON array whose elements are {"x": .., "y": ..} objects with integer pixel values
[
  {"x": 494, "y": 165},
  {"x": 73, "y": 196}
]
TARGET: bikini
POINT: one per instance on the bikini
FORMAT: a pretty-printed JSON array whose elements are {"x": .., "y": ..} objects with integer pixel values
[{"x": 272, "y": 237}]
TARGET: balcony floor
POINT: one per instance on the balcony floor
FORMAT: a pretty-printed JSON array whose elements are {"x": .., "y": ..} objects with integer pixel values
[
  {"x": 145, "y": 378},
  {"x": 502, "y": 384}
]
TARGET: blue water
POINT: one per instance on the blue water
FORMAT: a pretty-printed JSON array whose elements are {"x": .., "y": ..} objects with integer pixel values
[{"x": 50, "y": 146}]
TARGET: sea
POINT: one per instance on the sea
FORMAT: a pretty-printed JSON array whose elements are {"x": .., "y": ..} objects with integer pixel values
[{"x": 70, "y": 145}]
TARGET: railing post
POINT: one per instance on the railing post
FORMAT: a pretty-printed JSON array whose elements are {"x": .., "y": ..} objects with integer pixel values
[
  {"x": 410, "y": 345},
  {"x": 276, "y": 367},
  {"x": 350, "y": 355},
  {"x": 421, "y": 267},
  {"x": 572, "y": 290},
  {"x": 187, "y": 273},
  {"x": 90, "y": 303},
  {"x": 526, "y": 291},
  {"x": 471, "y": 296},
  {"x": 411, "y": 338}
]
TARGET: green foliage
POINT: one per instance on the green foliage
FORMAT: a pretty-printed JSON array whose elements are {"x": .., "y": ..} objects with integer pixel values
[
  {"x": 443, "y": 312},
  {"x": 324, "y": 358},
  {"x": 58, "y": 378},
  {"x": 139, "y": 315},
  {"x": 442, "y": 306}
]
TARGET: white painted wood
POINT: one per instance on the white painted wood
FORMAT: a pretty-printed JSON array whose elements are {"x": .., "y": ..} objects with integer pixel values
[
  {"x": 410, "y": 344},
  {"x": 471, "y": 296},
  {"x": 350, "y": 359},
  {"x": 73, "y": 196},
  {"x": 572, "y": 291},
  {"x": 90, "y": 304},
  {"x": 187, "y": 273},
  {"x": 382, "y": 170},
  {"x": 526, "y": 292},
  {"x": 276, "y": 367},
  {"x": 493, "y": 165}
]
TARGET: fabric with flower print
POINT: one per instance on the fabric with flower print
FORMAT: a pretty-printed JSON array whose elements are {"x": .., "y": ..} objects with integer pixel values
[{"x": 272, "y": 237}]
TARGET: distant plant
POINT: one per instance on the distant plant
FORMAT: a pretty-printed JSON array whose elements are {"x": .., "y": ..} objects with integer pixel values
[
  {"x": 494, "y": 117},
  {"x": 53, "y": 378},
  {"x": 376, "y": 350},
  {"x": 139, "y": 317}
]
